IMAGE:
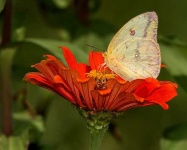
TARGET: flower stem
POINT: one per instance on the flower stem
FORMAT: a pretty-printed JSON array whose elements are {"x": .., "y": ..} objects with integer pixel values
[
  {"x": 97, "y": 124},
  {"x": 96, "y": 138}
]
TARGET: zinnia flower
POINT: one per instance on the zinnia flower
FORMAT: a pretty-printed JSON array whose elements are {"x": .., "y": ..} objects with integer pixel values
[
  {"x": 95, "y": 88},
  {"x": 98, "y": 93}
]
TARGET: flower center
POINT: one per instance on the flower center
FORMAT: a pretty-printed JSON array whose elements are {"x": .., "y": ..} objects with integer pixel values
[{"x": 100, "y": 78}]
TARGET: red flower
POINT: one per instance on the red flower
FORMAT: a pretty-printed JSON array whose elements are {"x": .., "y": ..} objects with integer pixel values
[{"x": 96, "y": 88}]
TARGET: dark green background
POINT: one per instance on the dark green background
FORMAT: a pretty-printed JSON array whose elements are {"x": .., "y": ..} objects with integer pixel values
[{"x": 40, "y": 26}]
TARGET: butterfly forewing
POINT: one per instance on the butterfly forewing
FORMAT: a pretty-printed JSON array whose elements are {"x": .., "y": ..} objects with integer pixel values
[{"x": 142, "y": 26}]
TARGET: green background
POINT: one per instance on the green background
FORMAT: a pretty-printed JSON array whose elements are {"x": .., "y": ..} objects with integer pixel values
[{"x": 40, "y": 26}]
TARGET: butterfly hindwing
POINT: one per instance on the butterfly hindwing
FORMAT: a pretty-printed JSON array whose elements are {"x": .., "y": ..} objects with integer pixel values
[{"x": 136, "y": 58}]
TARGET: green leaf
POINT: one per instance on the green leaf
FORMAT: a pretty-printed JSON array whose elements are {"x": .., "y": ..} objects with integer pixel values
[
  {"x": 177, "y": 132},
  {"x": 175, "y": 58},
  {"x": 90, "y": 40},
  {"x": 62, "y": 3},
  {"x": 52, "y": 46},
  {"x": 18, "y": 142},
  {"x": 29, "y": 121},
  {"x": 174, "y": 55},
  {"x": 2, "y": 5},
  {"x": 19, "y": 34},
  {"x": 65, "y": 127},
  {"x": 173, "y": 145}
]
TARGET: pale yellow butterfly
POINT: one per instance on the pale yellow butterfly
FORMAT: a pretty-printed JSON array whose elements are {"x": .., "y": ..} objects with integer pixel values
[{"x": 134, "y": 53}]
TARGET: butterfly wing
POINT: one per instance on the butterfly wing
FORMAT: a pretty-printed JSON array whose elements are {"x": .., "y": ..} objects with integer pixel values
[
  {"x": 135, "y": 58},
  {"x": 142, "y": 26}
]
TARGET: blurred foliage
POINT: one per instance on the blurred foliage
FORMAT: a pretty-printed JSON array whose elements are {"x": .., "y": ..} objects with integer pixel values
[
  {"x": 2, "y": 2},
  {"x": 44, "y": 121}
]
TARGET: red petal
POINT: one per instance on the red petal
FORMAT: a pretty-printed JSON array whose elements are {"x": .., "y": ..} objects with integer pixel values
[
  {"x": 146, "y": 87},
  {"x": 98, "y": 100},
  {"x": 133, "y": 85},
  {"x": 64, "y": 93},
  {"x": 72, "y": 63},
  {"x": 70, "y": 58},
  {"x": 69, "y": 75},
  {"x": 124, "y": 101},
  {"x": 45, "y": 70},
  {"x": 37, "y": 79},
  {"x": 85, "y": 89},
  {"x": 83, "y": 69},
  {"x": 105, "y": 92},
  {"x": 51, "y": 57},
  {"x": 96, "y": 59},
  {"x": 163, "y": 94},
  {"x": 163, "y": 66},
  {"x": 58, "y": 80},
  {"x": 55, "y": 63},
  {"x": 116, "y": 89}
]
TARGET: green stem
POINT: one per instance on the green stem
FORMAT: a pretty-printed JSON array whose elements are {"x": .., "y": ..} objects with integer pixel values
[
  {"x": 96, "y": 139},
  {"x": 97, "y": 124}
]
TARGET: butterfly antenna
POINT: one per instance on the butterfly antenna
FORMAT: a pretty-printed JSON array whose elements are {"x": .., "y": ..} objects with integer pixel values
[{"x": 95, "y": 47}]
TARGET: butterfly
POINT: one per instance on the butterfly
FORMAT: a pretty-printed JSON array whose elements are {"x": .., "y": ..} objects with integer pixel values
[{"x": 133, "y": 53}]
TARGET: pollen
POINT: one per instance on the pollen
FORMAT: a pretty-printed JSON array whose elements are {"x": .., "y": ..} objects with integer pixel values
[
  {"x": 100, "y": 78},
  {"x": 100, "y": 75}
]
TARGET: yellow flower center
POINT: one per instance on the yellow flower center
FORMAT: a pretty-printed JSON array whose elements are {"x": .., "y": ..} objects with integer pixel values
[{"x": 100, "y": 78}]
